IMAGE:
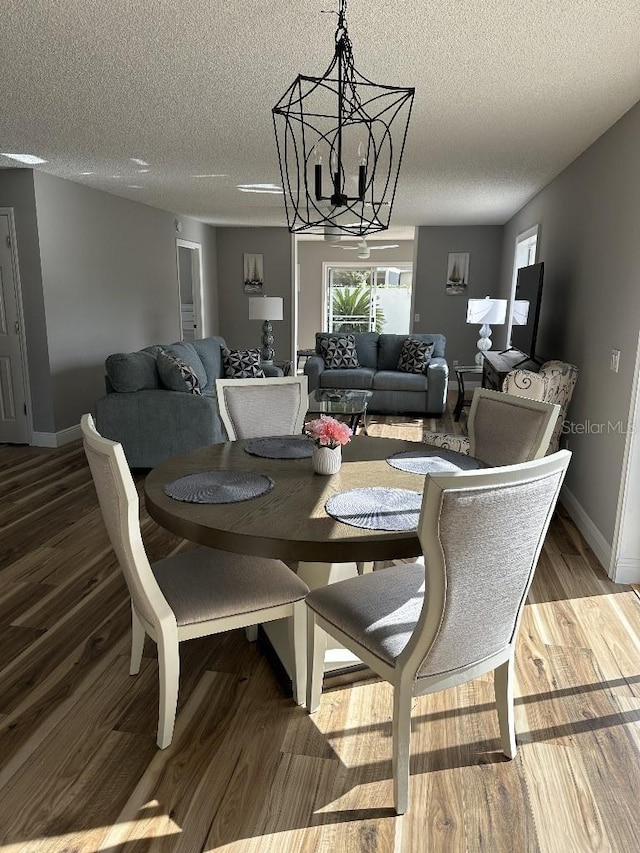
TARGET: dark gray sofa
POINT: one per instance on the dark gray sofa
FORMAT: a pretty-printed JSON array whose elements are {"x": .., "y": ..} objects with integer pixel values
[
  {"x": 153, "y": 423},
  {"x": 393, "y": 390}
]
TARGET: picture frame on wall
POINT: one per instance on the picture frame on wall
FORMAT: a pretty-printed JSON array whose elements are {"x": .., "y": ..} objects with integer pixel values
[
  {"x": 253, "y": 273},
  {"x": 457, "y": 272}
]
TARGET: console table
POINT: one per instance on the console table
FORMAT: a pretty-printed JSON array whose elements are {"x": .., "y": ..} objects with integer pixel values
[{"x": 496, "y": 365}]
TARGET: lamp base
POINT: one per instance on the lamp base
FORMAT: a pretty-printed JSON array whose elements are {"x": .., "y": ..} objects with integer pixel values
[
  {"x": 267, "y": 351},
  {"x": 483, "y": 343}
]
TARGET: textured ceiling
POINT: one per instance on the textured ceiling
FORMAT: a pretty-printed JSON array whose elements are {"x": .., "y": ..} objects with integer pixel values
[{"x": 507, "y": 94}]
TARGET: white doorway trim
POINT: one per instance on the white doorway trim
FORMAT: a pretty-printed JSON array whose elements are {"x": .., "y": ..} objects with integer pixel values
[
  {"x": 624, "y": 566},
  {"x": 9, "y": 213},
  {"x": 197, "y": 287}
]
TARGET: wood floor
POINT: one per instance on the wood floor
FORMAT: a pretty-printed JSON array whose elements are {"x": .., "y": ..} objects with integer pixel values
[{"x": 249, "y": 771}]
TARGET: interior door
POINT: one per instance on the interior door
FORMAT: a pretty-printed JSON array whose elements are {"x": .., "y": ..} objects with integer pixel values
[
  {"x": 14, "y": 424},
  {"x": 189, "y": 257}
]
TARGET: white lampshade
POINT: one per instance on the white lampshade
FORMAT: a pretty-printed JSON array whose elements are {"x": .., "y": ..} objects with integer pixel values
[
  {"x": 491, "y": 312},
  {"x": 520, "y": 313},
  {"x": 265, "y": 307}
]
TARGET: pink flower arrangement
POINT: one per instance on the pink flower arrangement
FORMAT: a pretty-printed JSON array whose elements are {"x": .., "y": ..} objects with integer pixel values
[{"x": 328, "y": 432}]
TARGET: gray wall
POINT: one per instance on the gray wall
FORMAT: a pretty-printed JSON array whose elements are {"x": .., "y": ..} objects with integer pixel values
[
  {"x": 446, "y": 313},
  {"x": 311, "y": 255},
  {"x": 17, "y": 191},
  {"x": 276, "y": 246},
  {"x": 589, "y": 224},
  {"x": 109, "y": 282}
]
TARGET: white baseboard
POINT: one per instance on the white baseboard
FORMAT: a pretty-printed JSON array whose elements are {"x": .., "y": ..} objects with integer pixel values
[
  {"x": 595, "y": 539},
  {"x": 627, "y": 570},
  {"x": 55, "y": 439}
]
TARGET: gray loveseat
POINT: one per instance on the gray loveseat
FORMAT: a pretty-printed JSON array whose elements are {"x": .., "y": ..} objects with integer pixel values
[
  {"x": 152, "y": 422},
  {"x": 393, "y": 390}
]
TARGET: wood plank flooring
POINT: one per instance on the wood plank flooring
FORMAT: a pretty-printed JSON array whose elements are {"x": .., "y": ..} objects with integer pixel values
[{"x": 248, "y": 771}]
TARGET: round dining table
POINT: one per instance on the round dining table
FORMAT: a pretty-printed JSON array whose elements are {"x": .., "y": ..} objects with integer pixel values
[{"x": 290, "y": 522}]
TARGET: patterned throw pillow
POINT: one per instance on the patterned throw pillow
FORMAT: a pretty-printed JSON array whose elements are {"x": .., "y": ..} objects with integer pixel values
[
  {"x": 339, "y": 352},
  {"x": 415, "y": 356},
  {"x": 176, "y": 375},
  {"x": 242, "y": 363}
]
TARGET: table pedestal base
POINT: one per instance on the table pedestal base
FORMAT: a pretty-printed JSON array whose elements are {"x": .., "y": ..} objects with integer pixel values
[{"x": 337, "y": 658}]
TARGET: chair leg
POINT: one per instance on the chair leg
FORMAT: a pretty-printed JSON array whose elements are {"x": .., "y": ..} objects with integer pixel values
[
  {"x": 252, "y": 633},
  {"x": 169, "y": 672},
  {"x": 401, "y": 746},
  {"x": 298, "y": 642},
  {"x": 137, "y": 642},
  {"x": 316, "y": 648},
  {"x": 503, "y": 679}
]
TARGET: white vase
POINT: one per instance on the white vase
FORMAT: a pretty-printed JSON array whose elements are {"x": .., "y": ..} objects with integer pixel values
[{"x": 327, "y": 460}]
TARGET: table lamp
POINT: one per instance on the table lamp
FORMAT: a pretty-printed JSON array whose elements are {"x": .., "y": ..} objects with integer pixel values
[
  {"x": 266, "y": 308},
  {"x": 485, "y": 312}
]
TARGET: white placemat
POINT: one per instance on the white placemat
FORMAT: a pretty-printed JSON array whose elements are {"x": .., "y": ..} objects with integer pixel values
[{"x": 376, "y": 508}]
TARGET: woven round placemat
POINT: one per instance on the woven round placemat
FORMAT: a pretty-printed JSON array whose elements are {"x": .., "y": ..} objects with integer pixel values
[
  {"x": 280, "y": 447},
  {"x": 439, "y": 461},
  {"x": 376, "y": 508},
  {"x": 218, "y": 487}
]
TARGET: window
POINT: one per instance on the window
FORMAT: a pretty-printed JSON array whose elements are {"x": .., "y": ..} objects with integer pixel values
[
  {"x": 524, "y": 256},
  {"x": 363, "y": 298}
]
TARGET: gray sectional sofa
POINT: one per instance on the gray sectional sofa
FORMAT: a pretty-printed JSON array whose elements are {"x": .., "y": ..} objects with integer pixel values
[
  {"x": 153, "y": 422},
  {"x": 393, "y": 390}
]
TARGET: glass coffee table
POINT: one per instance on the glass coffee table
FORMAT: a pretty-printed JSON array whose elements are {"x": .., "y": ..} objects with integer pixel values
[{"x": 341, "y": 401}]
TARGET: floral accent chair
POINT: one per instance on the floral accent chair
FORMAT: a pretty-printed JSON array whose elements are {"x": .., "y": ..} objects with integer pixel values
[{"x": 553, "y": 384}]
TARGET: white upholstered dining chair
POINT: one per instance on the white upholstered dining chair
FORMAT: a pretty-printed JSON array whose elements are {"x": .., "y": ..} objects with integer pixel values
[
  {"x": 478, "y": 574},
  {"x": 256, "y": 408},
  {"x": 187, "y": 595},
  {"x": 503, "y": 429}
]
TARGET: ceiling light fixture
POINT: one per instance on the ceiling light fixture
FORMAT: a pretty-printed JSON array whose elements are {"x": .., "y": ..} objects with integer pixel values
[
  {"x": 209, "y": 176},
  {"x": 343, "y": 120},
  {"x": 138, "y": 161},
  {"x": 28, "y": 159}
]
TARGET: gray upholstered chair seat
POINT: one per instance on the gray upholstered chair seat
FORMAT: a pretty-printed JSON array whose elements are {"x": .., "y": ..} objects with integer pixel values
[
  {"x": 206, "y": 584},
  {"x": 381, "y": 614},
  {"x": 395, "y": 380}
]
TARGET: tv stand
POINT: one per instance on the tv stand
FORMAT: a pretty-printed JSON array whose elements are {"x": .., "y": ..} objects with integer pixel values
[{"x": 496, "y": 365}]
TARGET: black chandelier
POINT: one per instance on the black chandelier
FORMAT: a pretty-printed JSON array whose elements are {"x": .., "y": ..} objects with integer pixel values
[{"x": 342, "y": 120}]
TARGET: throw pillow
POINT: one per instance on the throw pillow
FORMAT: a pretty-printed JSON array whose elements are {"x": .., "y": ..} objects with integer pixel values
[
  {"x": 415, "y": 356},
  {"x": 176, "y": 375},
  {"x": 242, "y": 363},
  {"x": 339, "y": 352}
]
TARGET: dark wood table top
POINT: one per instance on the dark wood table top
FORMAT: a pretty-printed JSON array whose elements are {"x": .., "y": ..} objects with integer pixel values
[{"x": 289, "y": 522}]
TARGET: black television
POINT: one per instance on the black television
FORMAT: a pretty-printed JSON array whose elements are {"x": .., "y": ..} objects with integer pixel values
[{"x": 526, "y": 310}]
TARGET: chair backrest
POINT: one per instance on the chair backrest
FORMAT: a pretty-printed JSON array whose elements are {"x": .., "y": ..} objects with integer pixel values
[
  {"x": 481, "y": 533},
  {"x": 119, "y": 503},
  {"x": 553, "y": 384},
  {"x": 253, "y": 408},
  {"x": 505, "y": 429}
]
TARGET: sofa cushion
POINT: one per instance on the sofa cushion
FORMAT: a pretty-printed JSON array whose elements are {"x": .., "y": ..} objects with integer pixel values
[
  {"x": 359, "y": 378},
  {"x": 132, "y": 371},
  {"x": 176, "y": 374},
  {"x": 390, "y": 347},
  {"x": 414, "y": 356},
  {"x": 366, "y": 346},
  {"x": 339, "y": 352},
  {"x": 394, "y": 380},
  {"x": 185, "y": 351},
  {"x": 242, "y": 364},
  {"x": 210, "y": 352}
]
